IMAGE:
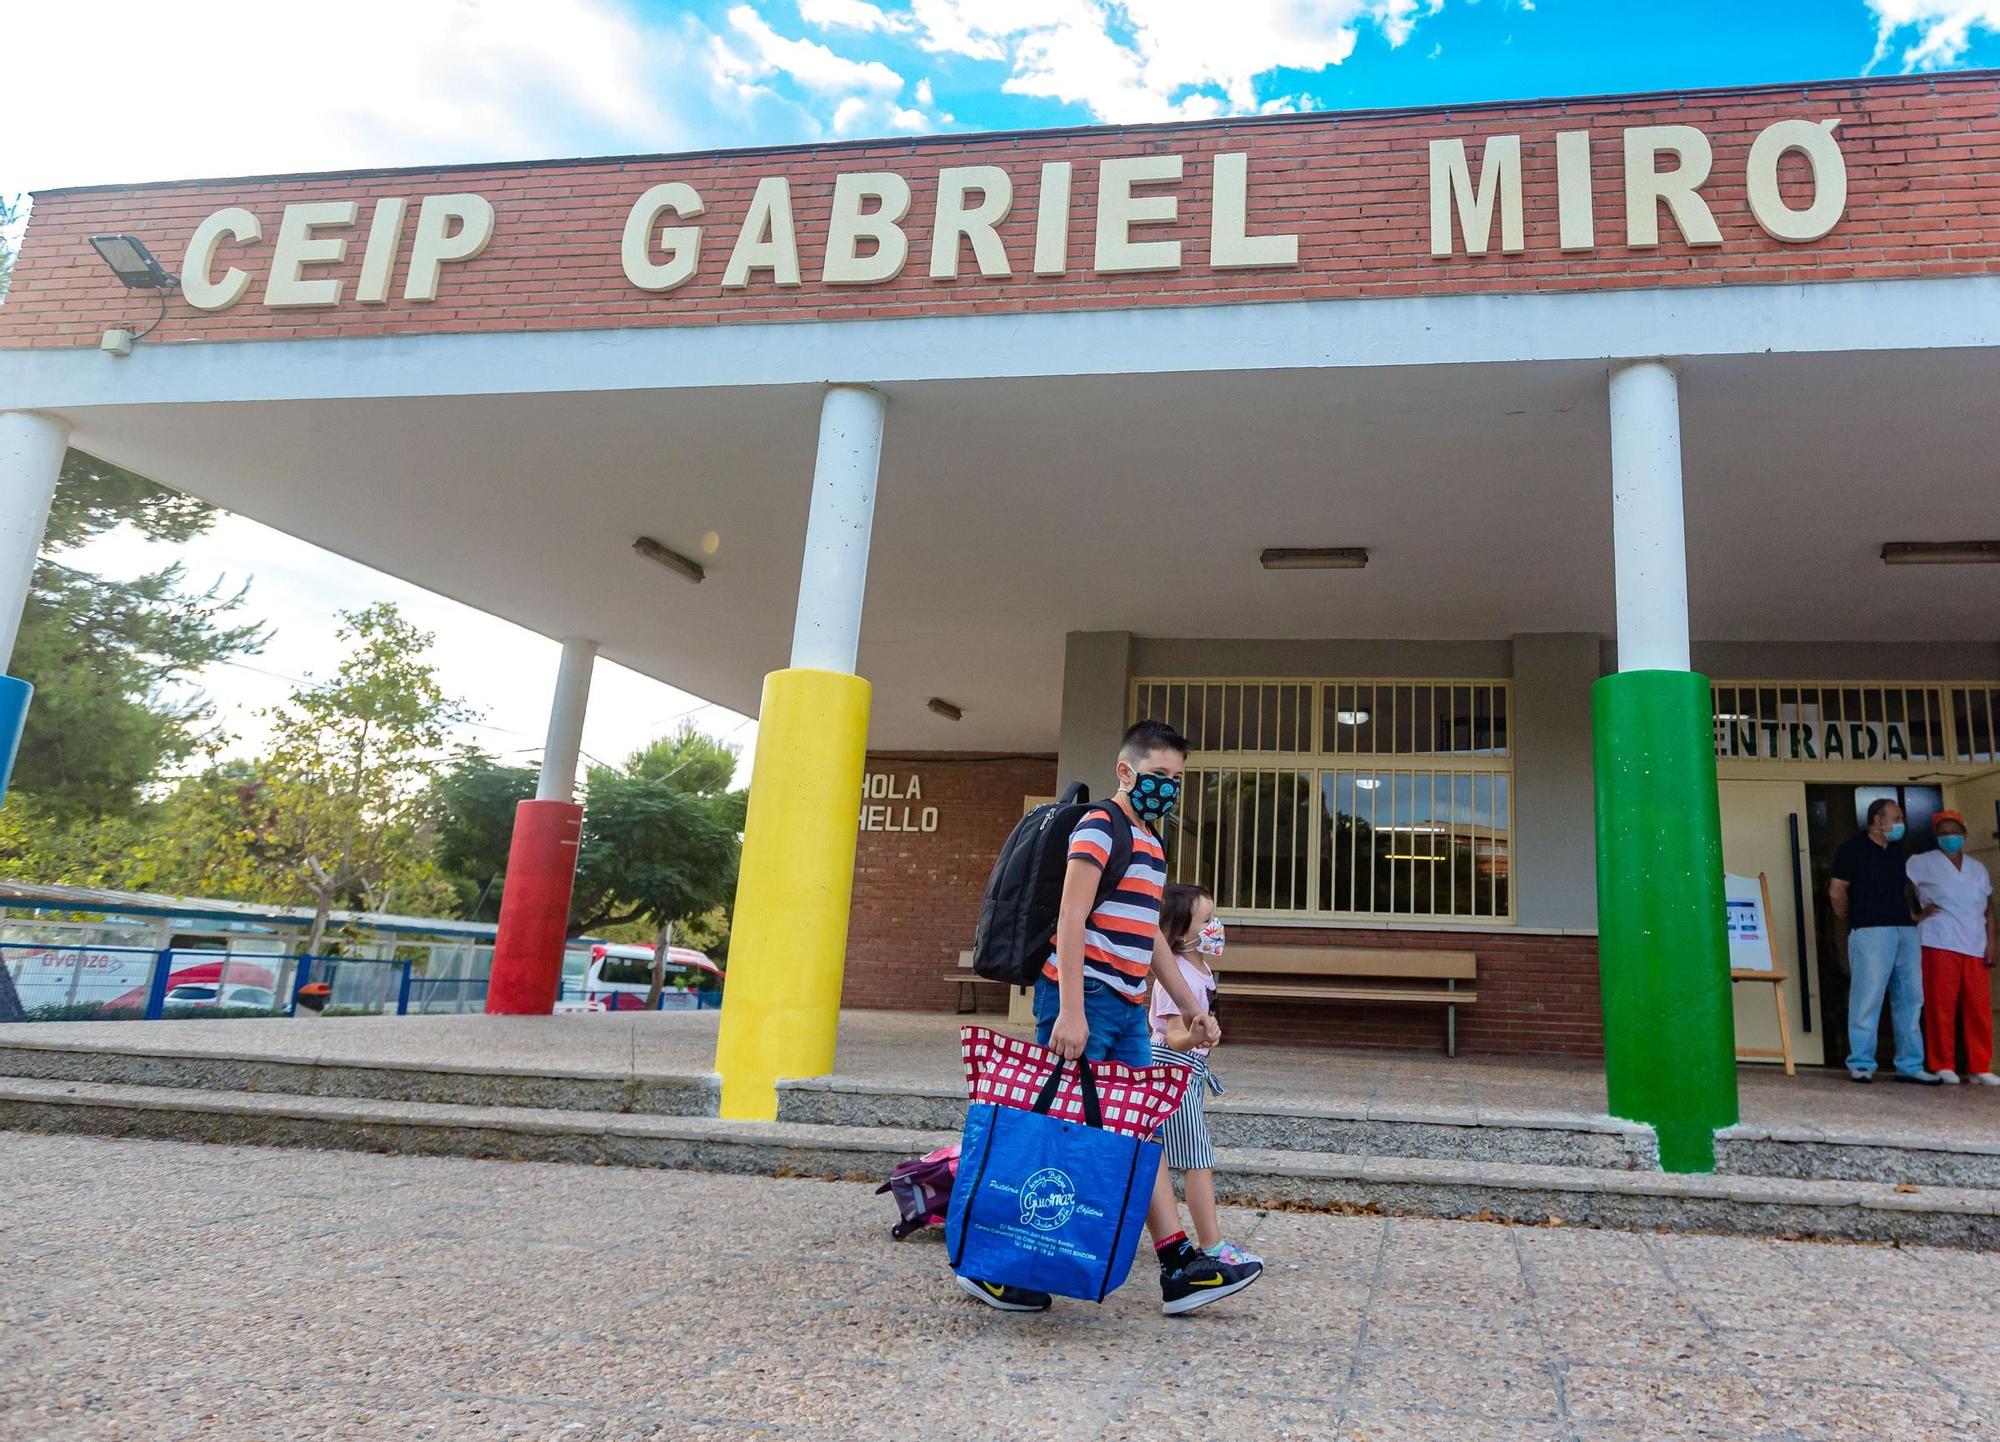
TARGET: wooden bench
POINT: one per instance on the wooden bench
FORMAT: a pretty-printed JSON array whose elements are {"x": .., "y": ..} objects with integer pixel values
[
  {"x": 1352, "y": 973},
  {"x": 968, "y": 981}
]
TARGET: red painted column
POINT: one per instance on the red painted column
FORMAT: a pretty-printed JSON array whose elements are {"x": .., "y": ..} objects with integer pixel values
[{"x": 534, "y": 909}]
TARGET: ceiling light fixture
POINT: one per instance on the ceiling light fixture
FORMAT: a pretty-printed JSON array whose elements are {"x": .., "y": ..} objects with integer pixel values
[
  {"x": 1314, "y": 558},
  {"x": 1351, "y": 718},
  {"x": 132, "y": 263},
  {"x": 944, "y": 708},
  {"x": 666, "y": 556},
  {"x": 1941, "y": 553}
]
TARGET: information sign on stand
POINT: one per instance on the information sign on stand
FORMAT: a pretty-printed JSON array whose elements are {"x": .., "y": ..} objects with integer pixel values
[{"x": 1753, "y": 956}]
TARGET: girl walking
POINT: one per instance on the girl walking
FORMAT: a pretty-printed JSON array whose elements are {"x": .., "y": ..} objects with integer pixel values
[{"x": 1187, "y": 921}]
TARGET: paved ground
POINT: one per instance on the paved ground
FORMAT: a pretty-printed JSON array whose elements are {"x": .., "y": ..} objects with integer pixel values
[
  {"x": 151, "y": 1291},
  {"x": 921, "y": 1048}
]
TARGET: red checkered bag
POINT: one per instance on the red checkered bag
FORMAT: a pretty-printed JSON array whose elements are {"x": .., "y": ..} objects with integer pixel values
[{"x": 1009, "y": 1072}]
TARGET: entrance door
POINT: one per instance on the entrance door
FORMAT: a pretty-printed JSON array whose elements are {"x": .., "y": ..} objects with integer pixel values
[
  {"x": 1758, "y": 823},
  {"x": 1833, "y": 814}
]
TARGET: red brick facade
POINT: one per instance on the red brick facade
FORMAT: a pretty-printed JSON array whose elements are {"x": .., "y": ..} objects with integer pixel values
[
  {"x": 916, "y": 892},
  {"x": 1537, "y": 997},
  {"x": 1922, "y": 157},
  {"x": 916, "y": 899}
]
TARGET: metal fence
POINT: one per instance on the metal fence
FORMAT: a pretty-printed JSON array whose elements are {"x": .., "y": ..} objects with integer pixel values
[{"x": 67, "y": 981}]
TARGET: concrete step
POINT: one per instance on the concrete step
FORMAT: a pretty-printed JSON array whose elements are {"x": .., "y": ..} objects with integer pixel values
[
  {"x": 130, "y": 1064},
  {"x": 1613, "y": 1197},
  {"x": 1435, "y": 1133},
  {"x": 1829, "y": 1155}
]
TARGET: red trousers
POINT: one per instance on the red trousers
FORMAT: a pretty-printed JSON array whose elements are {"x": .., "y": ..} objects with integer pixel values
[{"x": 1954, "y": 983}]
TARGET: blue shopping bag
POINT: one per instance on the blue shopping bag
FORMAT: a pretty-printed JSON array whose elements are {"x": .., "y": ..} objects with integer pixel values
[{"x": 1046, "y": 1204}]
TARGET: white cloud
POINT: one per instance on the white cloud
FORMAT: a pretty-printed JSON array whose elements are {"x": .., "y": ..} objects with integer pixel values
[
  {"x": 806, "y": 61},
  {"x": 924, "y": 96},
  {"x": 848, "y": 15},
  {"x": 261, "y": 87},
  {"x": 1943, "y": 29},
  {"x": 1147, "y": 60}
]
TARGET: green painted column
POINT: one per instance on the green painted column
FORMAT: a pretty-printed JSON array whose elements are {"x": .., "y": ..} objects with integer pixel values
[{"x": 1663, "y": 949}]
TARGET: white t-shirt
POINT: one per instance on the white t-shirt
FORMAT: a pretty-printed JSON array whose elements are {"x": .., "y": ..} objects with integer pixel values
[
  {"x": 1200, "y": 981},
  {"x": 1962, "y": 891}
]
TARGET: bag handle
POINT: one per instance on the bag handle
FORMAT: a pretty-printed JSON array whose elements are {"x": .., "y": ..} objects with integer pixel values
[{"x": 1093, "y": 1113}]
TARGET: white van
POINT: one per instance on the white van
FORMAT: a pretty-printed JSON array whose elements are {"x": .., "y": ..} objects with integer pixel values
[{"x": 619, "y": 977}]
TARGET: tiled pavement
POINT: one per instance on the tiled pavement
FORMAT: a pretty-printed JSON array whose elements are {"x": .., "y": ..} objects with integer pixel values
[
  {"x": 921, "y": 1048},
  {"x": 151, "y": 1291}
]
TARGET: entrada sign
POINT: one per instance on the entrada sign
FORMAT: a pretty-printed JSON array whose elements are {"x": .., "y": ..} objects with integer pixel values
[
  {"x": 1137, "y": 199},
  {"x": 1742, "y": 739}
]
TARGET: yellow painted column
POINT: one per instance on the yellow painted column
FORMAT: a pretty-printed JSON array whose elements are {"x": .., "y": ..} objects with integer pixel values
[
  {"x": 788, "y": 939},
  {"x": 788, "y": 932}
]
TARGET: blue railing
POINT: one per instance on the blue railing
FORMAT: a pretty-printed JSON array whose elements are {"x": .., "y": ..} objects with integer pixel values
[
  {"x": 54, "y": 981},
  {"x": 62, "y": 981}
]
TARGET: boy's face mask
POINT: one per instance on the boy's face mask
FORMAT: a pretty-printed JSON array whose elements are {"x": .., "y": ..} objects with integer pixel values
[
  {"x": 1208, "y": 941},
  {"x": 1152, "y": 795}
]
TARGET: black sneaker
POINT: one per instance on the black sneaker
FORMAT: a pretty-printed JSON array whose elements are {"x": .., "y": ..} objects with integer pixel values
[
  {"x": 1005, "y": 1299},
  {"x": 1200, "y": 1279}
]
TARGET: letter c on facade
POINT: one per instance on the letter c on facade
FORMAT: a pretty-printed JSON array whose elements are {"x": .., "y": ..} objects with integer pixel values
[{"x": 197, "y": 288}]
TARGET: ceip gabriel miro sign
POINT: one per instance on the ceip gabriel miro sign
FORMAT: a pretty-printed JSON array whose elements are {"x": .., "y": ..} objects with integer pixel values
[{"x": 668, "y": 238}]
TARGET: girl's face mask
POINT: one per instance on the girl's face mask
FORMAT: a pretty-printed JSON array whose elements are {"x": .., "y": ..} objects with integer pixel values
[
  {"x": 1951, "y": 845},
  {"x": 1208, "y": 941}
]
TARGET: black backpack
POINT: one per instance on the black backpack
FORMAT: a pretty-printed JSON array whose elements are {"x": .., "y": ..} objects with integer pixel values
[{"x": 1017, "y": 916}]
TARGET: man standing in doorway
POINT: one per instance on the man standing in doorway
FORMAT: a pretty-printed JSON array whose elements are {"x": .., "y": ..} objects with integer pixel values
[
  {"x": 1871, "y": 893},
  {"x": 1956, "y": 930}
]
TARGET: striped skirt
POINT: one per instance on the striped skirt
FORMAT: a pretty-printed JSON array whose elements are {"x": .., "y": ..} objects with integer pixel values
[{"x": 1185, "y": 1134}]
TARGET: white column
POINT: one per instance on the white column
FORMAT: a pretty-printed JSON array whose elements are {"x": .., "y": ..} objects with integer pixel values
[
  {"x": 827, "y": 633},
  {"x": 1648, "y": 527},
  {"x": 565, "y": 742},
  {"x": 31, "y": 457}
]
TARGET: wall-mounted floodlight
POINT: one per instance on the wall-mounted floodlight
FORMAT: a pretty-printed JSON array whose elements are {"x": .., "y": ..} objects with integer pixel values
[
  {"x": 944, "y": 708},
  {"x": 1314, "y": 558},
  {"x": 673, "y": 560},
  {"x": 132, "y": 263},
  {"x": 1941, "y": 553}
]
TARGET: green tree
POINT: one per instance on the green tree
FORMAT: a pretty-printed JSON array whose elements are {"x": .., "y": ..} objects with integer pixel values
[
  {"x": 11, "y": 208},
  {"x": 474, "y": 806},
  {"x": 661, "y": 839},
  {"x": 109, "y": 659},
  {"x": 341, "y": 808}
]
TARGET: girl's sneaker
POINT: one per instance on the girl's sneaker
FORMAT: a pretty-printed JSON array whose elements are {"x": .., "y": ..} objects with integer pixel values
[{"x": 1233, "y": 1255}]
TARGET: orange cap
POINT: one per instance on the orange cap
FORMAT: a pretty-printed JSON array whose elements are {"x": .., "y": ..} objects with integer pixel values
[{"x": 1946, "y": 815}]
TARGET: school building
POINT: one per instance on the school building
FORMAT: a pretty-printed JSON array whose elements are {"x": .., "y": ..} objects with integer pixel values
[{"x": 1532, "y": 512}]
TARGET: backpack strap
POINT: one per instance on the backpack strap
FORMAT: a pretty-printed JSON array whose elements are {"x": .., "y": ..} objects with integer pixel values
[{"x": 1120, "y": 860}]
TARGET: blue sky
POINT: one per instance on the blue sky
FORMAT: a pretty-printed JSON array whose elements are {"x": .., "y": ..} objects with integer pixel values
[
  {"x": 260, "y": 87},
  {"x": 1008, "y": 64}
]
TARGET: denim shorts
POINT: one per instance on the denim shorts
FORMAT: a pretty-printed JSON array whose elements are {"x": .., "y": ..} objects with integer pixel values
[{"x": 1120, "y": 1030}]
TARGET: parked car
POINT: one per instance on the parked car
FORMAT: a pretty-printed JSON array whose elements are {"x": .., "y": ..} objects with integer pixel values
[
  {"x": 197, "y": 994},
  {"x": 619, "y": 977}
]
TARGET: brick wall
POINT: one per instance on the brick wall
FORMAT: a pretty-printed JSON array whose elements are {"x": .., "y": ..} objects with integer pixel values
[
  {"x": 1923, "y": 162},
  {"x": 1537, "y": 997},
  {"x": 916, "y": 893}
]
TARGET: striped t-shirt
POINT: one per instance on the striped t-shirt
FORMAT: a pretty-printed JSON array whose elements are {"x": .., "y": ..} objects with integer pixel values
[{"x": 1118, "y": 934}]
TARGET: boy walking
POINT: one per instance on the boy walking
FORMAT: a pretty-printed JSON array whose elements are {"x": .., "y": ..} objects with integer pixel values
[{"x": 1091, "y": 1000}]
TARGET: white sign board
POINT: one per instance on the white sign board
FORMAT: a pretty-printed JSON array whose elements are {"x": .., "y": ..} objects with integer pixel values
[{"x": 1749, "y": 927}]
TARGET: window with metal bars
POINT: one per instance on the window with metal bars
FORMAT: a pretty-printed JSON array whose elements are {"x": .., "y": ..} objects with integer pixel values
[
  {"x": 1386, "y": 799},
  {"x": 1883, "y": 723},
  {"x": 1975, "y": 721}
]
